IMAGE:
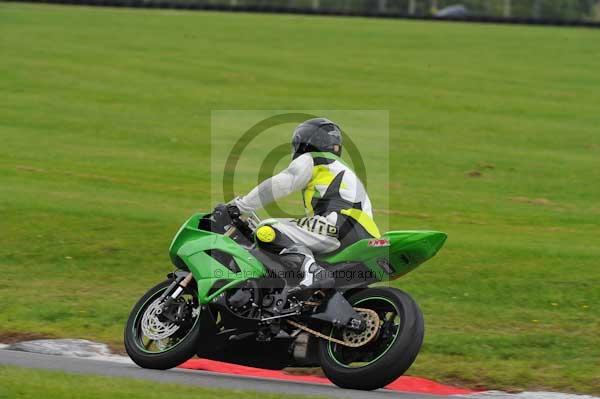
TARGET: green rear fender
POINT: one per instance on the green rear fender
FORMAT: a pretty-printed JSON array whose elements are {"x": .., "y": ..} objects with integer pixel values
[
  {"x": 190, "y": 250},
  {"x": 394, "y": 254}
]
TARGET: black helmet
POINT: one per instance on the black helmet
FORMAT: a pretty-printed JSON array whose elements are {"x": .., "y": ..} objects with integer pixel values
[{"x": 317, "y": 135}]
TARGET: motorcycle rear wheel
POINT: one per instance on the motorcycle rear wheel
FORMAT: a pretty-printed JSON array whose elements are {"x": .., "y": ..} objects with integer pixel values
[
  {"x": 181, "y": 341},
  {"x": 388, "y": 355}
]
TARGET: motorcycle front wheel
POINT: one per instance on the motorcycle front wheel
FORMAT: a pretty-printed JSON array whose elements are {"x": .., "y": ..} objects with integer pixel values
[
  {"x": 388, "y": 355},
  {"x": 154, "y": 342}
]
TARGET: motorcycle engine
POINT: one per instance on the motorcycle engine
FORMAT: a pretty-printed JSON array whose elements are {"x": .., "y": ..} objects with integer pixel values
[
  {"x": 240, "y": 298},
  {"x": 245, "y": 300}
]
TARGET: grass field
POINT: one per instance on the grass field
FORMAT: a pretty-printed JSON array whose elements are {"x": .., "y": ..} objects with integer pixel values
[
  {"x": 104, "y": 125},
  {"x": 19, "y": 383}
]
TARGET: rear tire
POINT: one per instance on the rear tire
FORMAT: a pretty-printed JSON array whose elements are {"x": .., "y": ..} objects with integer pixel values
[
  {"x": 398, "y": 351},
  {"x": 181, "y": 351}
]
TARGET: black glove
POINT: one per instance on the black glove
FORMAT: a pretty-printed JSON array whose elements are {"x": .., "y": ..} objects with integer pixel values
[{"x": 234, "y": 211}]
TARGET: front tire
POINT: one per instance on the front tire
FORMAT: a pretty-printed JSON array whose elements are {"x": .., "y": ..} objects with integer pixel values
[
  {"x": 386, "y": 357},
  {"x": 178, "y": 347}
]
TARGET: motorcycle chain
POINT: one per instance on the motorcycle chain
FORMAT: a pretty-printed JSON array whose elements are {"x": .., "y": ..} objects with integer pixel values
[{"x": 309, "y": 330}]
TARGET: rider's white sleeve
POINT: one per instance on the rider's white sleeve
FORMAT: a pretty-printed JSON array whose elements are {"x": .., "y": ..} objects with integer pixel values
[{"x": 294, "y": 178}]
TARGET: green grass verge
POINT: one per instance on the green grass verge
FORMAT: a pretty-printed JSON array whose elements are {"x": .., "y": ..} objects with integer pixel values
[
  {"x": 20, "y": 383},
  {"x": 104, "y": 121}
]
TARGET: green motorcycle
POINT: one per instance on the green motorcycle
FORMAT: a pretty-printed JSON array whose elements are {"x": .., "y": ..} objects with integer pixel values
[{"x": 228, "y": 300}]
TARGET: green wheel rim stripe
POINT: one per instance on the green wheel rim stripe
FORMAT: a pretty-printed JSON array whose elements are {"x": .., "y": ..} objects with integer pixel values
[
  {"x": 134, "y": 330},
  {"x": 329, "y": 350}
]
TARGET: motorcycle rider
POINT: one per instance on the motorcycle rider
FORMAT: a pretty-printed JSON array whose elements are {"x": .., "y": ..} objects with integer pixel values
[{"x": 338, "y": 209}]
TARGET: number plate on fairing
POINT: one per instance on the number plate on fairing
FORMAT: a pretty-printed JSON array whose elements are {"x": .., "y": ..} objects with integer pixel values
[{"x": 379, "y": 242}]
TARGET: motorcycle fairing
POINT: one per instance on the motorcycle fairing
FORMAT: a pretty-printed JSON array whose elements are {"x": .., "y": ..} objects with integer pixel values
[
  {"x": 387, "y": 258},
  {"x": 394, "y": 254},
  {"x": 194, "y": 249}
]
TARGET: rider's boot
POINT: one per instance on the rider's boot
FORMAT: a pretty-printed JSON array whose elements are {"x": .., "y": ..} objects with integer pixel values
[{"x": 314, "y": 276}]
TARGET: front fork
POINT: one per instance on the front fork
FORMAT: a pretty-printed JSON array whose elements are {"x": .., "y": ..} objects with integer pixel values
[
  {"x": 171, "y": 309},
  {"x": 178, "y": 285}
]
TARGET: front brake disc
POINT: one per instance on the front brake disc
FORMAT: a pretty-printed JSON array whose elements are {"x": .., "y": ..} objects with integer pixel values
[{"x": 153, "y": 327}]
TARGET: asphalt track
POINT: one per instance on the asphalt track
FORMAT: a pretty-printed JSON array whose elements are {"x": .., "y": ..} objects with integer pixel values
[{"x": 190, "y": 377}]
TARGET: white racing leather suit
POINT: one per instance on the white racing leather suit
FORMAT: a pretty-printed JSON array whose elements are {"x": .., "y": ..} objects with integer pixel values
[{"x": 338, "y": 209}]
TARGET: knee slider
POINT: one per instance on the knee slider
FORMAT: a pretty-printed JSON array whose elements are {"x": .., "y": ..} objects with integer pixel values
[{"x": 265, "y": 234}]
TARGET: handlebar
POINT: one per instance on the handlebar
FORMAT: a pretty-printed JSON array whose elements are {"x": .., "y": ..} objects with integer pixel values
[
  {"x": 246, "y": 224},
  {"x": 234, "y": 212}
]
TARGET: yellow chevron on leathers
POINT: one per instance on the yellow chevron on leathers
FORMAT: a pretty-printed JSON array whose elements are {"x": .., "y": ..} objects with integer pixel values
[
  {"x": 322, "y": 176},
  {"x": 364, "y": 220},
  {"x": 350, "y": 190}
]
